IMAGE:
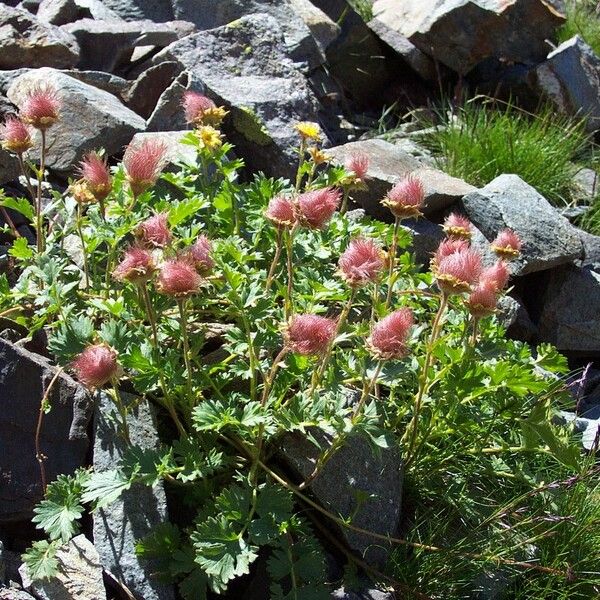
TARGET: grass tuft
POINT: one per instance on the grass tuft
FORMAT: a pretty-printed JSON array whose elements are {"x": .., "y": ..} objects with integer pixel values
[{"x": 583, "y": 19}]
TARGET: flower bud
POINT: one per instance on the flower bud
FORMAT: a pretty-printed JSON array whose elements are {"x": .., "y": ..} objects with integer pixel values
[
  {"x": 406, "y": 198},
  {"x": 40, "y": 108},
  {"x": 482, "y": 301},
  {"x": 507, "y": 244},
  {"x": 15, "y": 136},
  {"x": 200, "y": 253},
  {"x": 96, "y": 175},
  {"x": 281, "y": 212},
  {"x": 136, "y": 266},
  {"x": 317, "y": 207},
  {"x": 310, "y": 334},
  {"x": 388, "y": 336},
  {"x": 458, "y": 227},
  {"x": 155, "y": 231},
  {"x": 361, "y": 263},
  {"x": 143, "y": 164},
  {"x": 201, "y": 110},
  {"x": 96, "y": 366},
  {"x": 495, "y": 277},
  {"x": 457, "y": 272},
  {"x": 178, "y": 278}
]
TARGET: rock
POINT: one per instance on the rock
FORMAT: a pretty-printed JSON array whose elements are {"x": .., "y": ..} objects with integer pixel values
[
  {"x": 353, "y": 471},
  {"x": 104, "y": 45},
  {"x": 144, "y": 94},
  {"x": 24, "y": 377},
  {"x": 9, "y": 167},
  {"x": 60, "y": 12},
  {"x": 159, "y": 11},
  {"x": 90, "y": 118},
  {"x": 7, "y": 77},
  {"x": 177, "y": 152},
  {"x": 322, "y": 28},
  {"x": 367, "y": 594},
  {"x": 299, "y": 42},
  {"x": 426, "y": 239},
  {"x": 586, "y": 182},
  {"x": 588, "y": 425},
  {"x": 388, "y": 163},
  {"x": 420, "y": 62},
  {"x": 14, "y": 594},
  {"x": 79, "y": 574},
  {"x": 513, "y": 316},
  {"x": 117, "y": 86},
  {"x": 570, "y": 316},
  {"x": 463, "y": 33},
  {"x": 548, "y": 238},
  {"x": 137, "y": 511},
  {"x": 591, "y": 248},
  {"x": 27, "y": 42},
  {"x": 265, "y": 93},
  {"x": 570, "y": 78}
]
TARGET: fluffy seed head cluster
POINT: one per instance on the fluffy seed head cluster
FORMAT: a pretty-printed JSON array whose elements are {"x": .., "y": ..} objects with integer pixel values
[
  {"x": 15, "y": 136},
  {"x": 200, "y": 254},
  {"x": 41, "y": 107},
  {"x": 310, "y": 334},
  {"x": 495, "y": 277},
  {"x": 281, "y": 212},
  {"x": 388, "y": 336},
  {"x": 458, "y": 227},
  {"x": 96, "y": 366},
  {"x": 482, "y": 301},
  {"x": 361, "y": 263},
  {"x": 358, "y": 165},
  {"x": 317, "y": 207},
  {"x": 178, "y": 278},
  {"x": 136, "y": 266},
  {"x": 308, "y": 130},
  {"x": 96, "y": 175},
  {"x": 155, "y": 231},
  {"x": 456, "y": 272},
  {"x": 406, "y": 198},
  {"x": 143, "y": 164},
  {"x": 507, "y": 244},
  {"x": 200, "y": 110}
]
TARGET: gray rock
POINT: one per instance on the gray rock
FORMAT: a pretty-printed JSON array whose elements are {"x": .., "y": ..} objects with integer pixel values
[
  {"x": 60, "y": 12},
  {"x": 367, "y": 594},
  {"x": 426, "y": 239},
  {"x": 570, "y": 78},
  {"x": 323, "y": 29},
  {"x": 104, "y": 45},
  {"x": 463, "y": 33},
  {"x": 14, "y": 594},
  {"x": 388, "y": 163},
  {"x": 144, "y": 94},
  {"x": 513, "y": 316},
  {"x": 79, "y": 574},
  {"x": 90, "y": 118},
  {"x": 137, "y": 511},
  {"x": 27, "y": 42},
  {"x": 265, "y": 93},
  {"x": 591, "y": 248},
  {"x": 507, "y": 201},
  {"x": 117, "y": 86},
  {"x": 588, "y": 425},
  {"x": 570, "y": 317},
  {"x": 7, "y": 77},
  {"x": 9, "y": 167},
  {"x": 586, "y": 184},
  {"x": 134, "y": 10},
  {"x": 24, "y": 377},
  {"x": 177, "y": 152},
  {"x": 206, "y": 14},
  {"x": 354, "y": 478}
]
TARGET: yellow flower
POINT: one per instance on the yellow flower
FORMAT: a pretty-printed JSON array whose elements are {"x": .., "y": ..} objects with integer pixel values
[
  {"x": 308, "y": 130},
  {"x": 213, "y": 116},
  {"x": 318, "y": 156},
  {"x": 81, "y": 192},
  {"x": 209, "y": 137}
]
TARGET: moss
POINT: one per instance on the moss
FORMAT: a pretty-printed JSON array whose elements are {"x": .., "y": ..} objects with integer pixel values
[{"x": 251, "y": 126}]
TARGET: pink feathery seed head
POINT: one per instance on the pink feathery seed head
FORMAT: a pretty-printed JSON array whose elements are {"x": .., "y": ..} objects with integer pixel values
[
  {"x": 41, "y": 107},
  {"x": 358, "y": 164},
  {"x": 388, "y": 336},
  {"x": 178, "y": 278},
  {"x": 143, "y": 164},
  {"x": 136, "y": 266},
  {"x": 155, "y": 231},
  {"x": 458, "y": 272},
  {"x": 406, "y": 198},
  {"x": 200, "y": 254},
  {"x": 362, "y": 262},
  {"x": 482, "y": 301},
  {"x": 96, "y": 366},
  {"x": 195, "y": 105},
  {"x": 458, "y": 227},
  {"x": 15, "y": 135},
  {"x": 495, "y": 277},
  {"x": 446, "y": 248},
  {"x": 94, "y": 171},
  {"x": 310, "y": 334},
  {"x": 281, "y": 212},
  {"x": 317, "y": 207},
  {"x": 507, "y": 244}
]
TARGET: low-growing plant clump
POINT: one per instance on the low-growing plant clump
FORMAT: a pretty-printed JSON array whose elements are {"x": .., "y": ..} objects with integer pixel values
[{"x": 327, "y": 324}]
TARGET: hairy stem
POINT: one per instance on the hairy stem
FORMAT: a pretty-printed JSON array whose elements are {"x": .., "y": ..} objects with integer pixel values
[
  {"x": 289, "y": 243},
  {"x": 41, "y": 243},
  {"x": 275, "y": 261},
  {"x": 78, "y": 221},
  {"x": 186, "y": 346},
  {"x": 392, "y": 262}
]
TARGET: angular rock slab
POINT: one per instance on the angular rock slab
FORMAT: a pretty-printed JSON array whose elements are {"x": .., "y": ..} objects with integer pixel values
[
  {"x": 548, "y": 238},
  {"x": 27, "y": 42},
  {"x": 570, "y": 317},
  {"x": 137, "y": 511},
  {"x": 79, "y": 574},
  {"x": 570, "y": 78},
  {"x": 24, "y": 378},
  {"x": 463, "y": 33},
  {"x": 90, "y": 118},
  {"x": 387, "y": 165},
  {"x": 133, "y": 10},
  {"x": 354, "y": 477},
  {"x": 244, "y": 66}
]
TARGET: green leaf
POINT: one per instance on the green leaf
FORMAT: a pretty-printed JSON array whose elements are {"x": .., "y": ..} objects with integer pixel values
[
  {"x": 20, "y": 205},
  {"x": 21, "y": 249},
  {"x": 71, "y": 338},
  {"x": 41, "y": 560},
  {"x": 104, "y": 488},
  {"x": 180, "y": 211}
]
